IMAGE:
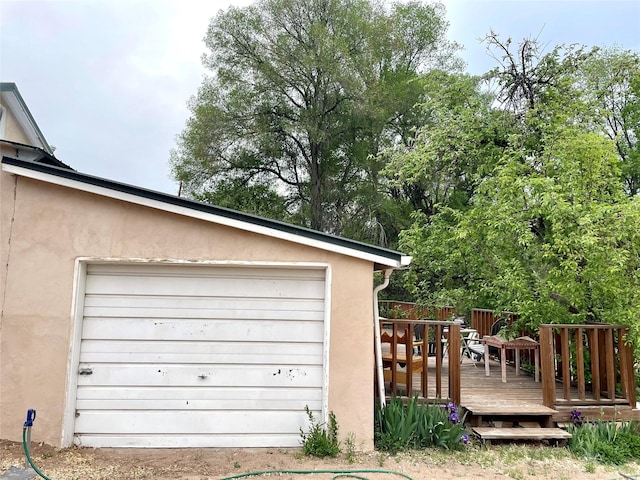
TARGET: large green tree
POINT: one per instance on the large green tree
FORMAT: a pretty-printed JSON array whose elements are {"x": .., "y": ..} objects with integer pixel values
[
  {"x": 301, "y": 98},
  {"x": 610, "y": 81},
  {"x": 548, "y": 231}
]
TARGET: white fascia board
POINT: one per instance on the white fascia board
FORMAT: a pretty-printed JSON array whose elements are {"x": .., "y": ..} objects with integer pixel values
[
  {"x": 26, "y": 121},
  {"x": 209, "y": 217}
]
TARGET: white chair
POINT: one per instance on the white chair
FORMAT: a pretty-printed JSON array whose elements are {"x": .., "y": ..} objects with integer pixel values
[{"x": 472, "y": 347}]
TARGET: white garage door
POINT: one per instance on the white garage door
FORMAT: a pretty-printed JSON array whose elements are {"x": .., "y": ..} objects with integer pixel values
[{"x": 192, "y": 356}]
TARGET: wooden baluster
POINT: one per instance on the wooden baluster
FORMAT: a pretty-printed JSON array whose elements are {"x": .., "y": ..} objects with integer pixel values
[
  {"x": 566, "y": 363},
  {"x": 438, "y": 369},
  {"x": 580, "y": 363},
  {"x": 611, "y": 364},
  {"x": 454, "y": 363},
  {"x": 408, "y": 354},
  {"x": 595, "y": 362},
  {"x": 626, "y": 368},
  {"x": 547, "y": 365},
  {"x": 425, "y": 361}
]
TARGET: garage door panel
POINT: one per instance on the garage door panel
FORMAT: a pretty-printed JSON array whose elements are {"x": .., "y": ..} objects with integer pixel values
[
  {"x": 202, "y": 287},
  {"x": 206, "y": 404},
  {"x": 189, "y": 422},
  {"x": 184, "y": 356},
  {"x": 123, "y": 375},
  {"x": 176, "y": 271},
  {"x": 110, "y": 351},
  {"x": 283, "y": 313},
  {"x": 220, "y": 359},
  {"x": 185, "y": 393},
  {"x": 271, "y": 440},
  {"x": 209, "y": 304},
  {"x": 202, "y": 330},
  {"x": 186, "y": 398}
]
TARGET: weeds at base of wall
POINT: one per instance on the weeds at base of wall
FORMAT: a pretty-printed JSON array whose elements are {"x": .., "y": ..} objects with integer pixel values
[{"x": 321, "y": 440}]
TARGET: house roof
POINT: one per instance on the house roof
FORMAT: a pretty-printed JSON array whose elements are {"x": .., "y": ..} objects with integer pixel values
[
  {"x": 35, "y": 154},
  {"x": 381, "y": 257},
  {"x": 10, "y": 96}
]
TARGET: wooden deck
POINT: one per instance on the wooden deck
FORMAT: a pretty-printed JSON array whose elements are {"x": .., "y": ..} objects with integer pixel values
[
  {"x": 587, "y": 367},
  {"x": 521, "y": 394}
]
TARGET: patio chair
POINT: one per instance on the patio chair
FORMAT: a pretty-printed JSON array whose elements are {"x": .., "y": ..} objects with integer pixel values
[
  {"x": 471, "y": 346},
  {"x": 474, "y": 347},
  {"x": 399, "y": 359}
]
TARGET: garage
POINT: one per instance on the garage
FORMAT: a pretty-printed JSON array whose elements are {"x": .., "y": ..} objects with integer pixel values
[
  {"x": 150, "y": 320},
  {"x": 200, "y": 355}
]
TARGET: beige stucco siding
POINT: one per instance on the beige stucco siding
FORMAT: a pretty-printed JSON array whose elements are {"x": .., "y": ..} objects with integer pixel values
[
  {"x": 13, "y": 131},
  {"x": 53, "y": 226}
]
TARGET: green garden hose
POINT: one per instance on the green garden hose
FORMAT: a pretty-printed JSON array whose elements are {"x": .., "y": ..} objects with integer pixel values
[
  {"x": 26, "y": 452},
  {"x": 340, "y": 473}
]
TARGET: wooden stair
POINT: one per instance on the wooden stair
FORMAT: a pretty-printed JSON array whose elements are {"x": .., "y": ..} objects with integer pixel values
[
  {"x": 514, "y": 422},
  {"x": 526, "y": 433}
]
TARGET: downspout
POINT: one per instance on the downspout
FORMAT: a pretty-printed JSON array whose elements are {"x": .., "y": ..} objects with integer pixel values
[{"x": 376, "y": 332}]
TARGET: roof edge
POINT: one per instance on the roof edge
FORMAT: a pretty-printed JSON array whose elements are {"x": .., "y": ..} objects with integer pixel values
[
  {"x": 24, "y": 115},
  {"x": 171, "y": 203},
  {"x": 44, "y": 156}
]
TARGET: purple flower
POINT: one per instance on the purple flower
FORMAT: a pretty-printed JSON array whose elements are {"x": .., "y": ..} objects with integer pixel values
[
  {"x": 453, "y": 417},
  {"x": 451, "y": 407},
  {"x": 576, "y": 417},
  {"x": 465, "y": 438}
]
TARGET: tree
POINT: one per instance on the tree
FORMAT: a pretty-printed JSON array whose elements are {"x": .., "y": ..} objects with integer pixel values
[
  {"x": 461, "y": 137},
  {"x": 555, "y": 243},
  {"x": 610, "y": 80},
  {"x": 548, "y": 232},
  {"x": 302, "y": 97}
]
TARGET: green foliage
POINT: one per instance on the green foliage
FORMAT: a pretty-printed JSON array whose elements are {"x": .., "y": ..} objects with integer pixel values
[
  {"x": 548, "y": 231},
  {"x": 606, "y": 442},
  {"x": 610, "y": 83},
  {"x": 301, "y": 98},
  {"x": 321, "y": 440},
  {"x": 414, "y": 425}
]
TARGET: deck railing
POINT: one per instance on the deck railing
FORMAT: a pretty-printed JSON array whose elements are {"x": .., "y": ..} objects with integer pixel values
[
  {"x": 433, "y": 329},
  {"x": 482, "y": 320},
  {"x": 411, "y": 311},
  {"x": 593, "y": 363}
]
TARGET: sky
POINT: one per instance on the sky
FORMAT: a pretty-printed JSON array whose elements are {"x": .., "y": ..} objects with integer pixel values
[{"x": 108, "y": 81}]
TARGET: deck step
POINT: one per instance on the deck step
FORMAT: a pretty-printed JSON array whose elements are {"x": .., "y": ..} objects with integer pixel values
[
  {"x": 509, "y": 410},
  {"x": 493, "y": 433}
]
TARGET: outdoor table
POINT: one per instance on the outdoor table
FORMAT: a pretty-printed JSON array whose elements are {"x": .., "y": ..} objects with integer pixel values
[{"x": 520, "y": 343}]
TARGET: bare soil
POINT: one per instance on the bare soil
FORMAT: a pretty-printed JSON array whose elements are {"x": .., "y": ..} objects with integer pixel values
[{"x": 516, "y": 462}]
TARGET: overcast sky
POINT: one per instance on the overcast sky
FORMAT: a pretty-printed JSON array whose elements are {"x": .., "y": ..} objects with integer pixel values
[{"x": 108, "y": 81}]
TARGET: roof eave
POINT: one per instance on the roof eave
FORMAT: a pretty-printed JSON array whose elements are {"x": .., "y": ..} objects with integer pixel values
[{"x": 170, "y": 203}]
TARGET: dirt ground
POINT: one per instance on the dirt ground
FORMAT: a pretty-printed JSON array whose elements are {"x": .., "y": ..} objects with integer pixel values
[{"x": 516, "y": 462}]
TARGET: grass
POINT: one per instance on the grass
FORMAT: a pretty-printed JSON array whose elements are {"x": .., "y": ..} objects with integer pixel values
[{"x": 514, "y": 461}]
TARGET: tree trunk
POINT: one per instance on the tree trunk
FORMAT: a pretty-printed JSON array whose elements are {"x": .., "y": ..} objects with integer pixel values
[{"x": 317, "y": 222}]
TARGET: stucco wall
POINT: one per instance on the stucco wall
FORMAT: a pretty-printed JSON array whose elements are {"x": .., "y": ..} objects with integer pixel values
[
  {"x": 13, "y": 131},
  {"x": 53, "y": 226}
]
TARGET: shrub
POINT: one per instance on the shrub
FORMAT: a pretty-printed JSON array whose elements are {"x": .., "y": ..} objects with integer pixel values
[
  {"x": 414, "y": 425},
  {"x": 320, "y": 441},
  {"x": 606, "y": 442}
]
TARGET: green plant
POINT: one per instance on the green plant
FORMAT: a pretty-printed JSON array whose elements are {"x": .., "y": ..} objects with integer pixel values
[
  {"x": 350, "y": 447},
  {"x": 322, "y": 440},
  {"x": 414, "y": 425},
  {"x": 606, "y": 442}
]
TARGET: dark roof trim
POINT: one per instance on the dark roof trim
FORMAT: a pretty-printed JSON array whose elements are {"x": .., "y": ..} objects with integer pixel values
[
  {"x": 386, "y": 256},
  {"x": 45, "y": 157}
]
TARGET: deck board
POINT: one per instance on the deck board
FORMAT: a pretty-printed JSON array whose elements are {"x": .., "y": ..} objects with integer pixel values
[{"x": 493, "y": 433}]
